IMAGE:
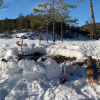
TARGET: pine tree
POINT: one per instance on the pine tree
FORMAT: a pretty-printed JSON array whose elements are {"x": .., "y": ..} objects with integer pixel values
[
  {"x": 21, "y": 24},
  {"x": 27, "y": 22},
  {"x": 47, "y": 15},
  {"x": 0, "y": 27},
  {"x": 3, "y": 26},
  {"x": 93, "y": 20},
  {"x": 63, "y": 13},
  {"x": 7, "y": 24},
  {"x": 52, "y": 4},
  {"x": 3, "y": 6},
  {"x": 13, "y": 24}
]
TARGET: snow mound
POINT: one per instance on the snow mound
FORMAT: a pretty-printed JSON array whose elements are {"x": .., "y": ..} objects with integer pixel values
[
  {"x": 9, "y": 68},
  {"x": 52, "y": 69},
  {"x": 65, "y": 52},
  {"x": 32, "y": 48},
  {"x": 11, "y": 54},
  {"x": 31, "y": 70}
]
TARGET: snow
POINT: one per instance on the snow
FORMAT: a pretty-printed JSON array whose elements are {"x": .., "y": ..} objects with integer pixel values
[
  {"x": 31, "y": 70},
  {"x": 11, "y": 54},
  {"x": 30, "y": 80},
  {"x": 53, "y": 70}
]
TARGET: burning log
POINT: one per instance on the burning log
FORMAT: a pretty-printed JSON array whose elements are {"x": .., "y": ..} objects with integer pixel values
[
  {"x": 98, "y": 71},
  {"x": 90, "y": 70}
]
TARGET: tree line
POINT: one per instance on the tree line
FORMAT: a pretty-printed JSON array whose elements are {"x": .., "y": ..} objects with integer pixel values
[
  {"x": 32, "y": 21},
  {"x": 35, "y": 22},
  {"x": 52, "y": 14},
  {"x": 10, "y": 24}
]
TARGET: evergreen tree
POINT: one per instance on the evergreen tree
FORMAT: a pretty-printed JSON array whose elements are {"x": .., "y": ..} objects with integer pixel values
[
  {"x": 6, "y": 24},
  {"x": 93, "y": 20},
  {"x": 3, "y": 6},
  {"x": 46, "y": 13},
  {"x": 3, "y": 26},
  {"x": 52, "y": 4},
  {"x": 21, "y": 24},
  {"x": 27, "y": 22},
  {"x": 0, "y": 27},
  {"x": 13, "y": 24},
  {"x": 63, "y": 13}
]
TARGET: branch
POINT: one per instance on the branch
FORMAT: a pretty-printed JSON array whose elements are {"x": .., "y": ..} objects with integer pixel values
[{"x": 4, "y": 6}]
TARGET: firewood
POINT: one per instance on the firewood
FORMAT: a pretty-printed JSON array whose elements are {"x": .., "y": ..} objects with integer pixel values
[
  {"x": 90, "y": 70},
  {"x": 98, "y": 71}
]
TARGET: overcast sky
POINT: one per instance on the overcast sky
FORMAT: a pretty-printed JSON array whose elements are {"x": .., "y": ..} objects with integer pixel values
[{"x": 82, "y": 12}]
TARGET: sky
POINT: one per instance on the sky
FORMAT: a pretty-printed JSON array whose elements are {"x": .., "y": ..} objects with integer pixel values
[{"x": 82, "y": 12}]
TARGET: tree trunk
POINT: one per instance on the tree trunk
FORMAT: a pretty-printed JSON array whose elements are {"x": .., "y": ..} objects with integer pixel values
[
  {"x": 40, "y": 38},
  {"x": 53, "y": 23},
  {"x": 21, "y": 46},
  {"x": 62, "y": 24},
  {"x": 92, "y": 35},
  {"x": 61, "y": 31},
  {"x": 90, "y": 70},
  {"x": 93, "y": 20},
  {"x": 25, "y": 24},
  {"x": 47, "y": 31}
]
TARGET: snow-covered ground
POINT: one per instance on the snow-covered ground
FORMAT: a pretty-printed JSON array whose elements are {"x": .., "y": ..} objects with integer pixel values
[{"x": 30, "y": 80}]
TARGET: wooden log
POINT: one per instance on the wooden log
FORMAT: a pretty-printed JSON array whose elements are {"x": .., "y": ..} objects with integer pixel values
[
  {"x": 57, "y": 58},
  {"x": 78, "y": 64},
  {"x": 98, "y": 71},
  {"x": 90, "y": 70}
]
